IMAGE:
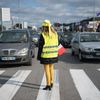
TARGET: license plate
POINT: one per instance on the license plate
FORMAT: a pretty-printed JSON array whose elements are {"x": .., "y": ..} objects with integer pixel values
[
  {"x": 98, "y": 54},
  {"x": 8, "y": 58}
]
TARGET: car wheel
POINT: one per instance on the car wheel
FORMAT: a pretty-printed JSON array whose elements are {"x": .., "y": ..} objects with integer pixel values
[
  {"x": 33, "y": 54},
  {"x": 29, "y": 63},
  {"x": 80, "y": 56}
]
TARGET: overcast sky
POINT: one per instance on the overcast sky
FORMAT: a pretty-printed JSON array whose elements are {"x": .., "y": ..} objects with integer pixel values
[{"x": 66, "y": 11}]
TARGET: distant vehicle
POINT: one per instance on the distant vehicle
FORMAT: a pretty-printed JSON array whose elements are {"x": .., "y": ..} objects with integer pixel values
[
  {"x": 16, "y": 47},
  {"x": 35, "y": 37},
  {"x": 86, "y": 45},
  {"x": 69, "y": 38},
  {"x": 32, "y": 31},
  {"x": 60, "y": 32},
  {"x": 63, "y": 41}
]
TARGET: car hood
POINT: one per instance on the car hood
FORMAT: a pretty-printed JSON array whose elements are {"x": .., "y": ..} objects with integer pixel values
[
  {"x": 91, "y": 44},
  {"x": 17, "y": 46}
]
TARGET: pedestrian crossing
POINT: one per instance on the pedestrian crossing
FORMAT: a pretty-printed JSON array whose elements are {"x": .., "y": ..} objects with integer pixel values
[
  {"x": 82, "y": 82},
  {"x": 10, "y": 88},
  {"x": 54, "y": 94},
  {"x": 1, "y": 72},
  {"x": 98, "y": 69},
  {"x": 85, "y": 87}
]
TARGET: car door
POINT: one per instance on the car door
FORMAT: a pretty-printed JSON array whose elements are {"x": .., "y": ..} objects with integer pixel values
[{"x": 75, "y": 44}]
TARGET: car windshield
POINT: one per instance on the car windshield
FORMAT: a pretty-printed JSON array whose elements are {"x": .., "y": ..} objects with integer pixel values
[
  {"x": 90, "y": 38},
  {"x": 13, "y": 37}
]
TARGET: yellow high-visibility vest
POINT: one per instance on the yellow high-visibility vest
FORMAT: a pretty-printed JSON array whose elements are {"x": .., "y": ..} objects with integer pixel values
[{"x": 50, "y": 48}]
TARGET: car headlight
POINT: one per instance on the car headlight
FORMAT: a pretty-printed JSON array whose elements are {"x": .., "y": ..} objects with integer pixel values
[
  {"x": 23, "y": 52},
  {"x": 88, "y": 49}
]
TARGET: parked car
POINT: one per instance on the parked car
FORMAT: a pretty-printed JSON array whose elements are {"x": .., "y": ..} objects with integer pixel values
[
  {"x": 86, "y": 45},
  {"x": 16, "y": 47}
]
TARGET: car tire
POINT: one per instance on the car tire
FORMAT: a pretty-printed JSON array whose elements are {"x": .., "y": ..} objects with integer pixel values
[
  {"x": 29, "y": 63},
  {"x": 80, "y": 56},
  {"x": 33, "y": 55}
]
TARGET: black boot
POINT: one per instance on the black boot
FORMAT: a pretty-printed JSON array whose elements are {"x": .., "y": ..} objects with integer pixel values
[
  {"x": 51, "y": 85},
  {"x": 47, "y": 88}
]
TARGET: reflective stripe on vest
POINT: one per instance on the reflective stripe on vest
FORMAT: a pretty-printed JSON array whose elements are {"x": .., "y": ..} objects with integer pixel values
[{"x": 50, "y": 48}]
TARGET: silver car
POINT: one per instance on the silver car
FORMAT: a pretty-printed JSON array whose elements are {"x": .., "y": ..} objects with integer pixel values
[
  {"x": 86, "y": 45},
  {"x": 16, "y": 47}
]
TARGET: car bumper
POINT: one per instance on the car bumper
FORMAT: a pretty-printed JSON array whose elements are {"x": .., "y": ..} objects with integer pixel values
[
  {"x": 16, "y": 60},
  {"x": 91, "y": 55}
]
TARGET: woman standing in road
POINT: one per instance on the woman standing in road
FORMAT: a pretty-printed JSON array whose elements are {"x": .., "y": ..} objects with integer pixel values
[{"x": 48, "y": 52}]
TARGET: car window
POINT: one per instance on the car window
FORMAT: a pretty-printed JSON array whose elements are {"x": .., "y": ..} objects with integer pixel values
[
  {"x": 6, "y": 37},
  {"x": 90, "y": 38},
  {"x": 76, "y": 38}
]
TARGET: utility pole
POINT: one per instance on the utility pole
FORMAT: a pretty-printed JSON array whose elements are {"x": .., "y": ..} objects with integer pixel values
[
  {"x": 94, "y": 12},
  {"x": 12, "y": 23},
  {"x": 1, "y": 25},
  {"x": 18, "y": 11}
]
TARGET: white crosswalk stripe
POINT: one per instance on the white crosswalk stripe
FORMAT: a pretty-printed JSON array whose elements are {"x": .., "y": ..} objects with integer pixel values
[
  {"x": 49, "y": 95},
  {"x": 43, "y": 95},
  {"x": 2, "y": 71},
  {"x": 10, "y": 88},
  {"x": 55, "y": 95},
  {"x": 98, "y": 69},
  {"x": 85, "y": 87}
]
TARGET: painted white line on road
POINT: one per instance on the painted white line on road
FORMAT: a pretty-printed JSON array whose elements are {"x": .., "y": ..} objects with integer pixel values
[
  {"x": 49, "y": 95},
  {"x": 55, "y": 95},
  {"x": 9, "y": 89},
  {"x": 2, "y": 71},
  {"x": 43, "y": 95},
  {"x": 84, "y": 85},
  {"x": 99, "y": 69}
]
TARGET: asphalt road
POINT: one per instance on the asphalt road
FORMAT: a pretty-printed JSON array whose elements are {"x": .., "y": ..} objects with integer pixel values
[{"x": 74, "y": 80}]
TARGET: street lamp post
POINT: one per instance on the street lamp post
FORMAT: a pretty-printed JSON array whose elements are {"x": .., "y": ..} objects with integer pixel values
[
  {"x": 94, "y": 12},
  {"x": 18, "y": 12}
]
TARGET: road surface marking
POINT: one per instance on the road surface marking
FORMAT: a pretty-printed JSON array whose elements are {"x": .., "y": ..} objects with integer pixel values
[
  {"x": 43, "y": 95},
  {"x": 84, "y": 85},
  {"x": 2, "y": 71},
  {"x": 99, "y": 69},
  {"x": 55, "y": 95},
  {"x": 9, "y": 89},
  {"x": 49, "y": 95}
]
